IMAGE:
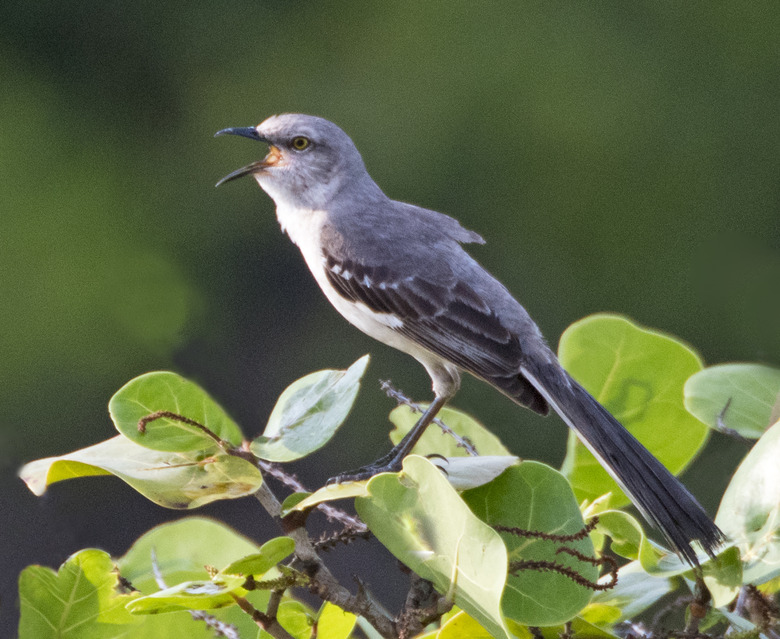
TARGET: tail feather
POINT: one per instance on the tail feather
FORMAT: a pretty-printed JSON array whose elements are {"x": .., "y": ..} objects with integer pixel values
[{"x": 658, "y": 495}]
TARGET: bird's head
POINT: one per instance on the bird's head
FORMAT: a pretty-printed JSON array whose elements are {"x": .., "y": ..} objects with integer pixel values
[{"x": 309, "y": 162}]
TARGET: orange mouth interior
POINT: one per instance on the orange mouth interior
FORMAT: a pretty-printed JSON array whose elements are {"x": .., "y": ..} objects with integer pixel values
[{"x": 273, "y": 158}]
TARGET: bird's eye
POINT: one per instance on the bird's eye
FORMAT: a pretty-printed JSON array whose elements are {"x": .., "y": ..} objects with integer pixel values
[{"x": 300, "y": 143}]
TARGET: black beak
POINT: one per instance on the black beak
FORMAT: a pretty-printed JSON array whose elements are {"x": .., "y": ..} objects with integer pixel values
[
  {"x": 246, "y": 170},
  {"x": 247, "y": 132},
  {"x": 244, "y": 131}
]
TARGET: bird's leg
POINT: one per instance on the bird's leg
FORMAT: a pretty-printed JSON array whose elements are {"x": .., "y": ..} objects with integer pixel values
[{"x": 392, "y": 462}]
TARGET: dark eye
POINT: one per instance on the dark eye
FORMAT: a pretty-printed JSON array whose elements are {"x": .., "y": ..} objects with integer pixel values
[{"x": 300, "y": 143}]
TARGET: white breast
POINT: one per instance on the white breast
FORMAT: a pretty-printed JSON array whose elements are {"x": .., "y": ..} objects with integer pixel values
[{"x": 304, "y": 226}]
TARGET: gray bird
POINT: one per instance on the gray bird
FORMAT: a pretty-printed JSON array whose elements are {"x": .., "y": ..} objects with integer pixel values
[{"x": 399, "y": 273}]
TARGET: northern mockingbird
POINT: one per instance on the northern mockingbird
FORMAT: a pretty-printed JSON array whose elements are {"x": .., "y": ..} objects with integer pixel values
[{"x": 398, "y": 272}]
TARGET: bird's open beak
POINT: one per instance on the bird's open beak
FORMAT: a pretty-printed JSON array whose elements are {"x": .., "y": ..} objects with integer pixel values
[{"x": 248, "y": 132}]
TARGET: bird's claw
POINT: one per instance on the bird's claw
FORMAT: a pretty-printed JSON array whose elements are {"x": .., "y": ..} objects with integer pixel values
[{"x": 367, "y": 472}]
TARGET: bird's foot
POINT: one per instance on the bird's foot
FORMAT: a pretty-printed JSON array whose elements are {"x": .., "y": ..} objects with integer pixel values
[{"x": 388, "y": 464}]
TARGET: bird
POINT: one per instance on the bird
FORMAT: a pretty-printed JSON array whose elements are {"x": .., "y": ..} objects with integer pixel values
[{"x": 400, "y": 273}]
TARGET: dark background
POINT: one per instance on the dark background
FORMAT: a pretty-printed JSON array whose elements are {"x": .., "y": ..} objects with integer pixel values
[{"x": 615, "y": 156}]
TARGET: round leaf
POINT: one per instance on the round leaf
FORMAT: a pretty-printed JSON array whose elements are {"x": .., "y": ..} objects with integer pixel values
[
  {"x": 745, "y": 397},
  {"x": 181, "y": 550},
  {"x": 308, "y": 413},
  {"x": 420, "y": 518},
  {"x": 638, "y": 375},
  {"x": 749, "y": 512},
  {"x": 165, "y": 391},
  {"x": 534, "y": 497}
]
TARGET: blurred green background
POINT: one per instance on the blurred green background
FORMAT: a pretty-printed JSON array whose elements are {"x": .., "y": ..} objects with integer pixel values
[{"x": 616, "y": 156}]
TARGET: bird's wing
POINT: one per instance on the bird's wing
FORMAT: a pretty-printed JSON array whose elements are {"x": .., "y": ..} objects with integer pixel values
[{"x": 449, "y": 319}]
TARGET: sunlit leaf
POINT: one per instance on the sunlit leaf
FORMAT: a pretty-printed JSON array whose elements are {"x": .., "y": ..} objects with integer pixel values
[
  {"x": 190, "y": 595},
  {"x": 435, "y": 442},
  {"x": 334, "y": 623},
  {"x": 749, "y": 512},
  {"x": 308, "y": 413},
  {"x": 462, "y": 626},
  {"x": 173, "y": 480},
  {"x": 330, "y": 492},
  {"x": 470, "y": 472},
  {"x": 80, "y": 601},
  {"x": 744, "y": 397},
  {"x": 420, "y": 518},
  {"x": 580, "y": 628},
  {"x": 638, "y": 375},
  {"x": 165, "y": 391},
  {"x": 541, "y": 501}
]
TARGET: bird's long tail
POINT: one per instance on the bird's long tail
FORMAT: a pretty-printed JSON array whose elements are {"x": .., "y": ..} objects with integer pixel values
[{"x": 658, "y": 495}]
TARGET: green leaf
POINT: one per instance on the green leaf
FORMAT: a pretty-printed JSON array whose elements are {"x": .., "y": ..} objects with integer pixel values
[
  {"x": 331, "y": 492},
  {"x": 80, "y": 601},
  {"x": 436, "y": 442},
  {"x": 165, "y": 391},
  {"x": 190, "y": 595},
  {"x": 723, "y": 577},
  {"x": 181, "y": 550},
  {"x": 580, "y": 628},
  {"x": 629, "y": 541},
  {"x": 420, "y": 518},
  {"x": 462, "y": 626},
  {"x": 638, "y": 375},
  {"x": 634, "y": 593},
  {"x": 334, "y": 623},
  {"x": 308, "y": 413},
  {"x": 296, "y": 618},
  {"x": 749, "y": 512},
  {"x": 292, "y": 500},
  {"x": 257, "y": 564},
  {"x": 174, "y": 480},
  {"x": 751, "y": 391},
  {"x": 535, "y": 497}
]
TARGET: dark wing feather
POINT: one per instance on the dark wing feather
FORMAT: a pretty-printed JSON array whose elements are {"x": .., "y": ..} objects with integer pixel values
[{"x": 452, "y": 321}]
